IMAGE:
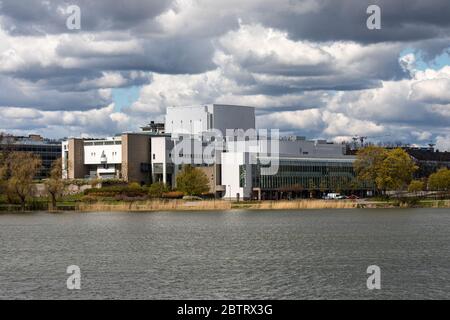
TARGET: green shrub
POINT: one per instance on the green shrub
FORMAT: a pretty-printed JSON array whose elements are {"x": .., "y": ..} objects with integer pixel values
[
  {"x": 131, "y": 190},
  {"x": 157, "y": 189},
  {"x": 88, "y": 199}
]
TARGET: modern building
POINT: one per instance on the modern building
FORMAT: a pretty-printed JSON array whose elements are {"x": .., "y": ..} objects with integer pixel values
[
  {"x": 48, "y": 150},
  {"x": 222, "y": 141},
  {"x": 134, "y": 157},
  {"x": 428, "y": 160},
  {"x": 301, "y": 167},
  {"x": 195, "y": 120}
]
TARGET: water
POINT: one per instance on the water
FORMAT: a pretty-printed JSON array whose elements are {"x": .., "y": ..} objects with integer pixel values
[{"x": 312, "y": 254}]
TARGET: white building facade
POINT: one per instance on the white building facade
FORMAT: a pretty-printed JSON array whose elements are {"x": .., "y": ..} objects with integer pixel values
[{"x": 223, "y": 142}]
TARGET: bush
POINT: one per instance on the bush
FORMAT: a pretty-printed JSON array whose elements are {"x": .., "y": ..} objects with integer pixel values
[
  {"x": 173, "y": 195},
  {"x": 406, "y": 202},
  {"x": 88, "y": 199},
  {"x": 113, "y": 182},
  {"x": 157, "y": 189},
  {"x": 192, "y": 181},
  {"x": 131, "y": 190},
  {"x": 416, "y": 186},
  {"x": 122, "y": 197}
]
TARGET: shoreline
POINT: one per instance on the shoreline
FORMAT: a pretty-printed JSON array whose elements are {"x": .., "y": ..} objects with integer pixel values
[{"x": 223, "y": 205}]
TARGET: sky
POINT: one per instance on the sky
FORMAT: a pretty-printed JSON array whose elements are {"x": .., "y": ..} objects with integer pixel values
[{"x": 309, "y": 67}]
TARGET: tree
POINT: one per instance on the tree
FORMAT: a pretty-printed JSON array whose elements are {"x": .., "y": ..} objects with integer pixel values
[
  {"x": 368, "y": 163},
  {"x": 312, "y": 188},
  {"x": 23, "y": 166},
  {"x": 5, "y": 151},
  {"x": 416, "y": 186},
  {"x": 323, "y": 186},
  {"x": 192, "y": 181},
  {"x": 157, "y": 189},
  {"x": 440, "y": 180},
  {"x": 396, "y": 170},
  {"x": 384, "y": 169},
  {"x": 54, "y": 183}
]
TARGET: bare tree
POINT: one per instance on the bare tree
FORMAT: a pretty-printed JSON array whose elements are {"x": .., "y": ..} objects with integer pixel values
[
  {"x": 23, "y": 166},
  {"x": 54, "y": 183}
]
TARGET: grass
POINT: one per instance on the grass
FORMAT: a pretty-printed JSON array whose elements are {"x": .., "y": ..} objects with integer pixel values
[
  {"x": 77, "y": 202},
  {"x": 155, "y": 205},
  {"x": 296, "y": 204}
]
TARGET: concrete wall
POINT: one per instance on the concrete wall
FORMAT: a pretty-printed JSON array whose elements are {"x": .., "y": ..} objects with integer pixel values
[
  {"x": 189, "y": 120},
  {"x": 197, "y": 119},
  {"x": 113, "y": 152},
  {"x": 233, "y": 117},
  {"x": 135, "y": 150},
  {"x": 210, "y": 174},
  {"x": 77, "y": 169},
  {"x": 161, "y": 148},
  {"x": 231, "y": 161}
]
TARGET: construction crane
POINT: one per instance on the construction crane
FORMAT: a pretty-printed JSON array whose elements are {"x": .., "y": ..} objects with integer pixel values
[{"x": 363, "y": 138}]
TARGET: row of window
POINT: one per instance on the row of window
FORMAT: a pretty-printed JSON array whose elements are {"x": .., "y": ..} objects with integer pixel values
[
  {"x": 37, "y": 149},
  {"x": 102, "y": 143}
]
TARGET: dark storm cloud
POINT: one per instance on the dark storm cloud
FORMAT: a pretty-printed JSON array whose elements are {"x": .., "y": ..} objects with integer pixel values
[
  {"x": 171, "y": 55},
  {"x": 401, "y": 20},
  {"x": 33, "y": 17},
  {"x": 24, "y": 94}
]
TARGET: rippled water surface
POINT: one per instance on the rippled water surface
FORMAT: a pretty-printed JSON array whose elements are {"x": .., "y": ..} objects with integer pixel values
[{"x": 312, "y": 254}]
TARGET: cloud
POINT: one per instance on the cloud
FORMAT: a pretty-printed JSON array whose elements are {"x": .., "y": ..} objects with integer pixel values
[
  {"x": 443, "y": 143},
  {"x": 33, "y": 17},
  {"x": 311, "y": 67},
  {"x": 95, "y": 122}
]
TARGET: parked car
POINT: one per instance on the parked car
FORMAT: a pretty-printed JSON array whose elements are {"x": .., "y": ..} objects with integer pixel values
[{"x": 334, "y": 196}]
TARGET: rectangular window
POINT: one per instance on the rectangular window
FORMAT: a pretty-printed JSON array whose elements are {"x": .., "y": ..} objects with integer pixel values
[{"x": 242, "y": 174}]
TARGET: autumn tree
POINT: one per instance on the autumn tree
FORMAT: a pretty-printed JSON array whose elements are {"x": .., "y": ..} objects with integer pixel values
[
  {"x": 384, "y": 169},
  {"x": 416, "y": 186},
  {"x": 440, "y": 180},
  {"x": 192, "y": 181},
  {"x": 23, "y": 167},
  {"x": 5, "y": 151},
  {"x": 55, "y": 184},
  {"x": 368, "y": 163},
  {"x": 396, "y": 171}
]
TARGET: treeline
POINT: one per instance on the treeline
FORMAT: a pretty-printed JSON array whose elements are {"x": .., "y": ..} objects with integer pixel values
[
  {"x": 18, "y": 187},
  {"x": 393, "y": 170}
]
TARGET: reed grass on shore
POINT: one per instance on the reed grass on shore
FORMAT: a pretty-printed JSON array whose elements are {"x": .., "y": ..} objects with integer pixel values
[
  {"x": 299, "y": 204},
  {"x": 181, "y": 205},
  {"x": 156, "y": 205},
  {"x": 212, "y": 205}
]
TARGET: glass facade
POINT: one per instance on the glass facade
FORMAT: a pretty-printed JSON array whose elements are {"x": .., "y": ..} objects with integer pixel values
[
  {"x": 47, "y": 152},
  {"x": 307, "y": 174}
]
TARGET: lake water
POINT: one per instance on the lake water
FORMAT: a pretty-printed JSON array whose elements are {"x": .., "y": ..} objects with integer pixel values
[{"x": 313, "y": 254}]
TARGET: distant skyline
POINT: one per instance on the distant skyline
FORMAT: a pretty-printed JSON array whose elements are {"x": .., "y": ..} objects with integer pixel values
[{"x": 310, "y": 68}]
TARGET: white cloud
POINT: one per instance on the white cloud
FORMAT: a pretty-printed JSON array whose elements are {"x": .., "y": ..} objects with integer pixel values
[{"x": 443, "y": 143}]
